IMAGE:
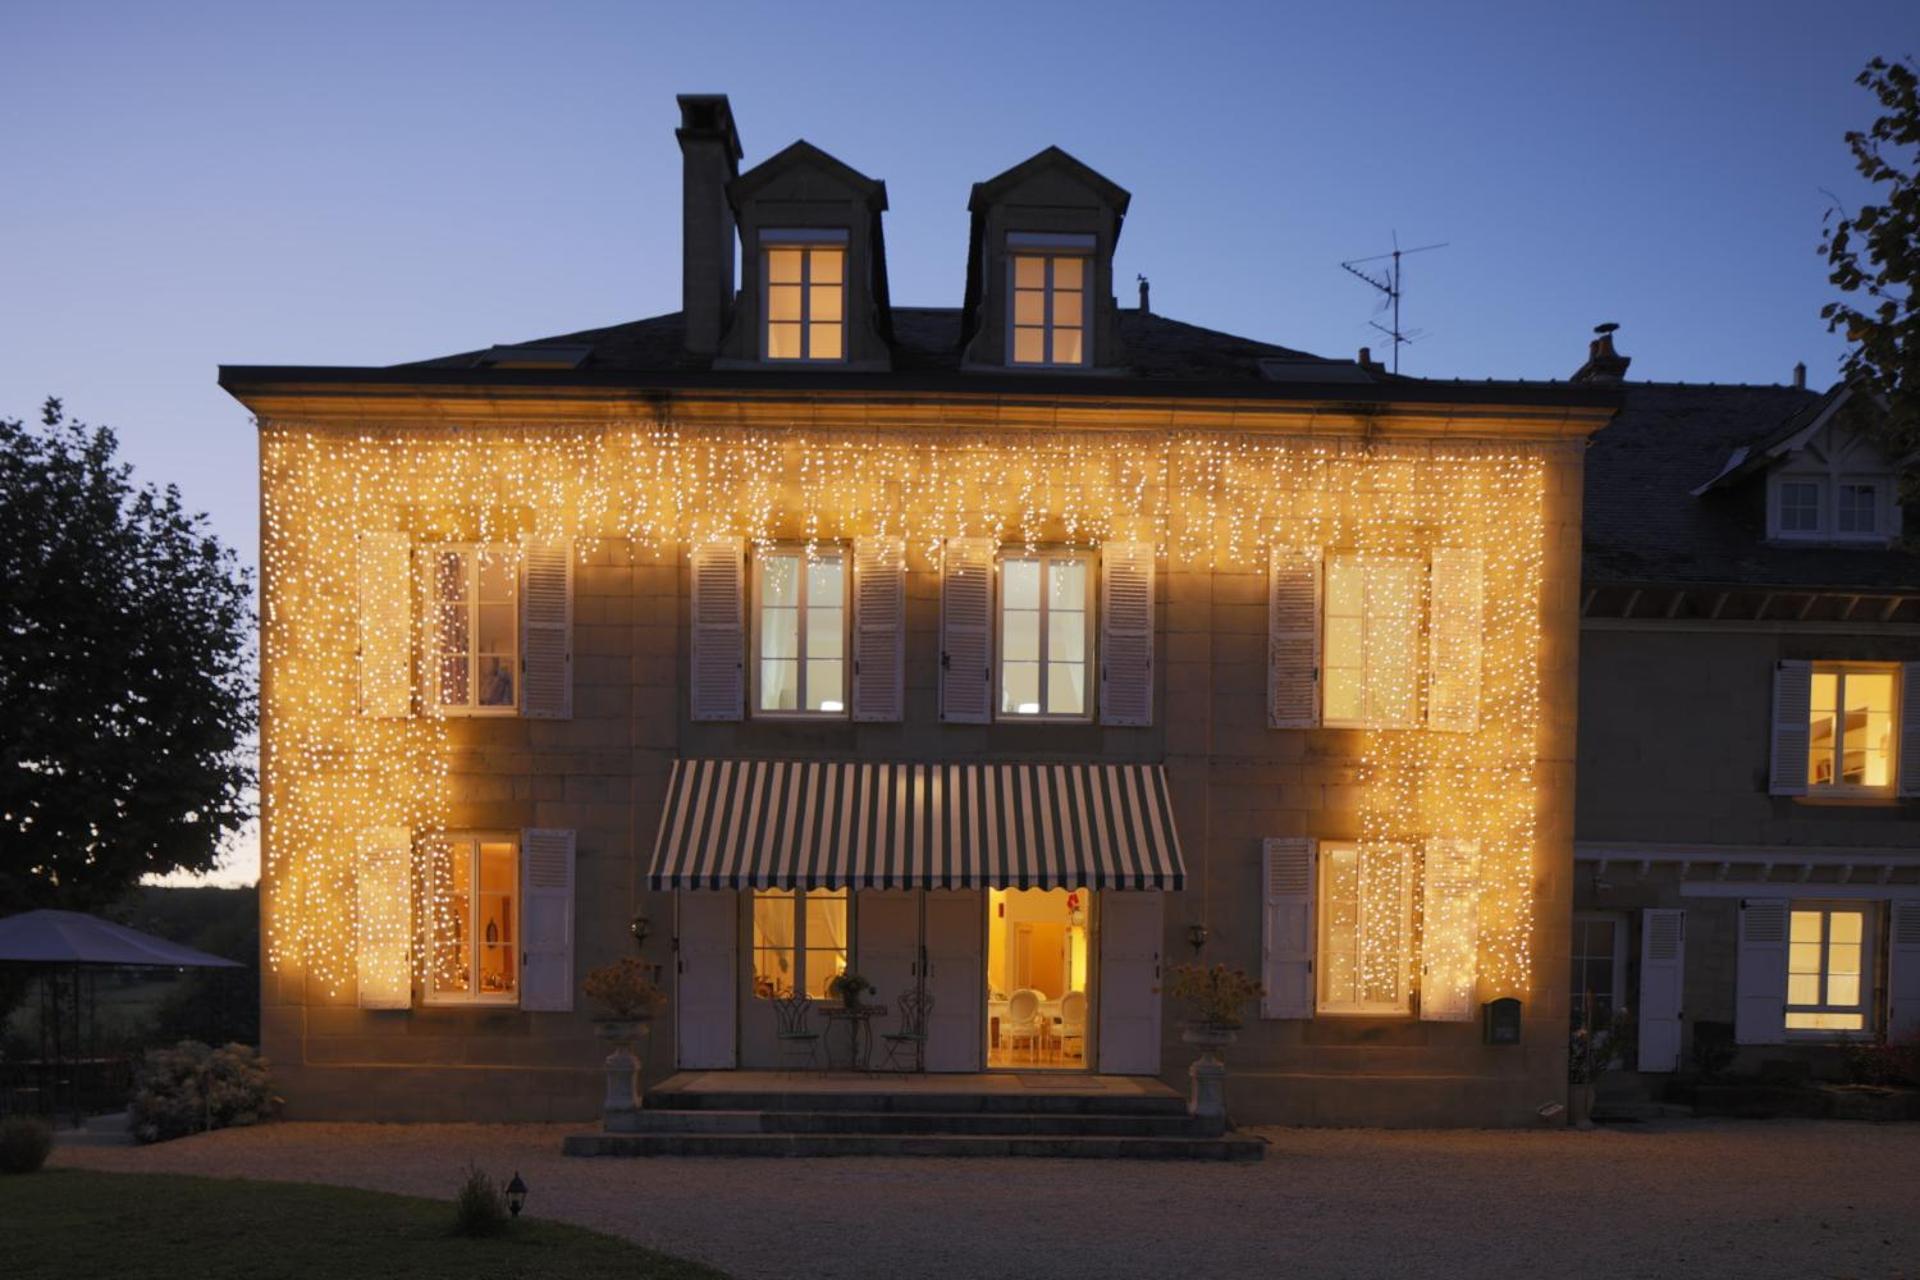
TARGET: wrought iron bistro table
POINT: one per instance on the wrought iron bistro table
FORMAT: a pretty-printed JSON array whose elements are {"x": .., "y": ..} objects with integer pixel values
[{"x": 859, "y": 1019}]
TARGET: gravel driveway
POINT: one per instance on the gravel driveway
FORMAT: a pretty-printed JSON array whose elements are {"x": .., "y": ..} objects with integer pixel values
[{"x": 1679, "y": 1198}]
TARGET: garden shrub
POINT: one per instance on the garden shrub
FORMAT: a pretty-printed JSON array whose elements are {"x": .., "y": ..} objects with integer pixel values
[
  {"x": 481, "y": 1208},
  {"x": 1885, "y": 1063},
  {"x": 24, "y": 1143},
  {"x": 191, "y": 1088}
]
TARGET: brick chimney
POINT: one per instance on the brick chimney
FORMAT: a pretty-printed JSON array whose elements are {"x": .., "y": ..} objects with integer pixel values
[
  {"x": 1604, "y": 364},
  {"x": 710, "y": 159}
]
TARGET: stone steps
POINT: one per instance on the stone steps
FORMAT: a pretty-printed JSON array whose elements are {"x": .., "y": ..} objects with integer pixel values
[
  {"x": 1146, "y": 1124},
  {"x": 1035, "y": 1102},
  {"x": 1059, "y": 1146}
]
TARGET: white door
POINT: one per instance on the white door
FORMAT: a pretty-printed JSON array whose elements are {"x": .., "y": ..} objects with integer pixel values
[
  {"x": 1663, "y": 945},
  {"x": 706, "y": 933},
  {"x": 887, "y": 952},
  {"x": 1129, "y": 983},
  {"x": 956, "y": 978}
]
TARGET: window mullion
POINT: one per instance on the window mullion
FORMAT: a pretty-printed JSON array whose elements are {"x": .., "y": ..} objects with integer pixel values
[
  {"x": 800, "y": 618},
  {"x": 1046, "y": 318},
  {"x": 1046, "y": 574}
]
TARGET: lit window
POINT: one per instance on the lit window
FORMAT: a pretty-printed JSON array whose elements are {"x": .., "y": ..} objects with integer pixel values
[
  {"x": 805, "y": 301},
  {"x": 1851, "y": 731},
  {"x": 1826, "y": 954},
  {"x": 473, "y": 916},
  {"x": 1857, "y": 509},
  {"x": 1370, "y": 659},
  {"x": 1596, "y": 968},
  {"x": 800, "y": 642},
  {"x": 475, "y": 625},
  {"x": 1365, "y": 915},
  {"x": 1044, "y": 640},
  {"x": 1799, "y": 506},
  {"x": 1049, "y": 308},
  {"x": 799, "y": 941}
]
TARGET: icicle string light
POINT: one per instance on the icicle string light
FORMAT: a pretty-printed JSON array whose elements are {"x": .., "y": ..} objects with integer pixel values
[{"x": 1210, "y": 501}]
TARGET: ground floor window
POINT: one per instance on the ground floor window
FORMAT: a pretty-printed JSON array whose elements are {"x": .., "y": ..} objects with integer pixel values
[
  {"x": 473, "y": 919},
  {"x": 1827, "y": 954},
  {"x": 1598, "y": 970},
  {"x": 799, "y": 941},
  {"x": 1365, "y": 914}
]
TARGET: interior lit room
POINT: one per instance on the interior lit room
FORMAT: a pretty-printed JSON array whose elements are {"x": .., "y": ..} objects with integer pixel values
[{"x": 1037, "y": 980}]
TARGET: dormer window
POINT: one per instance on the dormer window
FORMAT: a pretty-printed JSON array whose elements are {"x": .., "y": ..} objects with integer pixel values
[
  {"x": 1047, "y": 286},
  {"x": 1842, "y": 508},
  {"x": 1799, "y": 507},
  {"x": 804, "y": 295}
]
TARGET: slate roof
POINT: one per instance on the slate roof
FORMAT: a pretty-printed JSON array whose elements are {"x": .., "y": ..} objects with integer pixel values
[{"x": 1643, "y": 525}]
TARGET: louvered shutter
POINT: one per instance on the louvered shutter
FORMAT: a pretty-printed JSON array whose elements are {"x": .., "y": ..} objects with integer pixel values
[
  {"x": 1454, "y": 640},
  {"x": 1910, "y": 729},
  {"x": 546, "y": 630},
  {"x": 879, "y": 628},
  {"x": 1293, "y": 640},
  {"x": 1663, "y": 954},
  {"x": 546, "y": 920},
  {"x": 1449, "y": 938},
  {"x": 383, "y": 913},
  {"x": 1792, "y": 708},
  {"x": 1126, "y": 633},
  {"x": 1903, "y": 969},
  {"x": 1286, "y": 942},
  {"x": 966, "y": 630},
  {"x": 1760, "y": 976},
  {"x": 719, "y": 629},
  {"x": 386, "y": 624}
]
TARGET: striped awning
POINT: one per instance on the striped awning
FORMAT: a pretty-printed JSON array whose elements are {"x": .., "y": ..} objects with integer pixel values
[{"x": 799, "y": 824}]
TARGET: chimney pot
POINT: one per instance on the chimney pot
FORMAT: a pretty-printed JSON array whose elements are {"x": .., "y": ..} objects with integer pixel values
[
  {"x": 1366, "y": 357},
  {"x": 1604, "y": 364},
  {"x": 1144, "y": 286},
  {"x": 1800, "y": 375},
  {"x": 710, "y": 159}
]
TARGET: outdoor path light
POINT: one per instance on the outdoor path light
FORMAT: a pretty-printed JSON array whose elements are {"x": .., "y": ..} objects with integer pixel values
[{"x": 516, "y": 1194}]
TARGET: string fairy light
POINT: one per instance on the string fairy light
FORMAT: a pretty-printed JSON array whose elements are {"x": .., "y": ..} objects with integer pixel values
[{"x": 1208, "y": 500}]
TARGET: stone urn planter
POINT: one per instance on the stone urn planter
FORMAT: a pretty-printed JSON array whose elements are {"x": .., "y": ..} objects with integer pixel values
[
  {"x": 1207, "y": 1077},
  {"x": 629, "y": 1038}
]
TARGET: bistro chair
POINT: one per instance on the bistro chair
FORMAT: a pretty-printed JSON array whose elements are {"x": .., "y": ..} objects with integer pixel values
[
  {"x": 1073, "y": 1021},
  {"x": 1023, "y": 1022},
  {"x": 911, "y": 1038},
  {"x": 796, "y": 1039}
]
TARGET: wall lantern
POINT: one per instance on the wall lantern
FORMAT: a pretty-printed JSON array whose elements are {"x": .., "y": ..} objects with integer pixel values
[
  {"x": 1500, "y": 1021},
  {"x": 1196, "y": 936},
  {"x": 516, "y": 1194},
  {"x": 640, "y": 927}
]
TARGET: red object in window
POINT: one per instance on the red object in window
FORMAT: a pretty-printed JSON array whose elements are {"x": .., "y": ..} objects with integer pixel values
[{"x": 1073, "y": 900}]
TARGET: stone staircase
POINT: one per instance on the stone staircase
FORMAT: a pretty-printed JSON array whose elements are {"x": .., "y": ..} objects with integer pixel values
[{"x": 688, "y": 1115}]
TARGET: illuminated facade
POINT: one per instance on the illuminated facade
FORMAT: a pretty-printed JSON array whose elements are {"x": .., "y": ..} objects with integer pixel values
[{"x": 1034, "y": 646}]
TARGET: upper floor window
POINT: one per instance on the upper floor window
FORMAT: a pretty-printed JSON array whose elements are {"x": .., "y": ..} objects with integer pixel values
[
  {"x": 805, "y": 280},
  {"x": 1835, "y": 508},
  {"x": 1370, "y": 659},
  {"x": 800, "y": 633},
  {"x": 1800, "y": 506},
  {"x": 475, "y": 629},
  {"x": 473, "y": 922},
  {"x": 1850, "y": 739},
  {"x": 1827, "y": 951},
  {"x": 1045, "y": 642},
  {"x": 1049, "y": 303}
]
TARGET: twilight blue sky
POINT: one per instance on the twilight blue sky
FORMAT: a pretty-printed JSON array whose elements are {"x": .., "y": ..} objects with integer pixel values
[{"x": 357, "y": 183}]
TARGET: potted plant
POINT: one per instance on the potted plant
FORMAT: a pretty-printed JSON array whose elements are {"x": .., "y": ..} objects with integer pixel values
[
  {"x": 628, "y": 997},
  {"x": 849, "y": 986},
  {"x": 1218, "y": 997}
]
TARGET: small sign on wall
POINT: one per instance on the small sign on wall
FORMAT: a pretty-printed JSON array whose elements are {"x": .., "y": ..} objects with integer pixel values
[{"x": 1500, "y": 1021}]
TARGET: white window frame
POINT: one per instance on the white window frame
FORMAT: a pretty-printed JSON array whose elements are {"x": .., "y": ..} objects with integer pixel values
[
  {"x": 833, "y": 551},
  {"x": 800, "y": 947},
  {"x": 804, "y": 239},
  {"x": 472, "y": 840},
  {"x": 1324, "y": 1007},
  {"x": 1618, "y": 922},
  {"x": 1048, "y": 248},
  {"x": 1827, "y": 487},
  {"x": 517, "y": 663},
  {"x": 1844, "y": 790},
  {"x": 1090, "y": 696},
  {"x": 1332, "y": 563},
  {"x": 1869, "y": 913}
]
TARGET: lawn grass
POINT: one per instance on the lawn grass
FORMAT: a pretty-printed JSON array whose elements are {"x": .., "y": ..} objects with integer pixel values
[{"x": 70, "y": 1223}]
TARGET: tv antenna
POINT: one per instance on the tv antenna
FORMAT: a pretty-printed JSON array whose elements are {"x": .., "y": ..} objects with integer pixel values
[{"x": 1389, "y": 285}]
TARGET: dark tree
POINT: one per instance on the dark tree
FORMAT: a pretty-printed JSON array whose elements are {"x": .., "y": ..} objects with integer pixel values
[
  {"x": 126, "y": 688},
  {"x": 1874, "y": 254}
]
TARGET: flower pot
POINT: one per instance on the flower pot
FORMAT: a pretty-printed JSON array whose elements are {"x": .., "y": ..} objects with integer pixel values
[
  {"x": 1210, "y": 1036},
  {"x": 629, "y": 1037},
  {"x": 619, "y": 1030}
]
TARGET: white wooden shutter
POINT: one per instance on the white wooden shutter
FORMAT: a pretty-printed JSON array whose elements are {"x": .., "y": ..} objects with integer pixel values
[
  {"x": 1449, "y": 937},
  {"x": 1910, "y": 729},
  {"x": 706, "y": 978},
  {"x": 1293, "y": 640},
  {"x": 1286, "y": 942},
  {"x": 1903, "y": 969},
  {"x": 879, "y": 628},
  {"x": 966, "y": 630},
  {"x": 1126, "y": 633},
  {"x": 386, "y": 624},
  {"x": 1792, "y": 707},
  {"x": 1128, "y": 931},
  {"x": 1760, "y": 977},
  {"x": 546, "y": 630},
  {"x": 1663, "y": 954},
  {"x": 719, "y": 635},
  {"x": 383, "y": 918},
  {"x": 1454, "y": 639},
  {"x": 546, "y": 919}
]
